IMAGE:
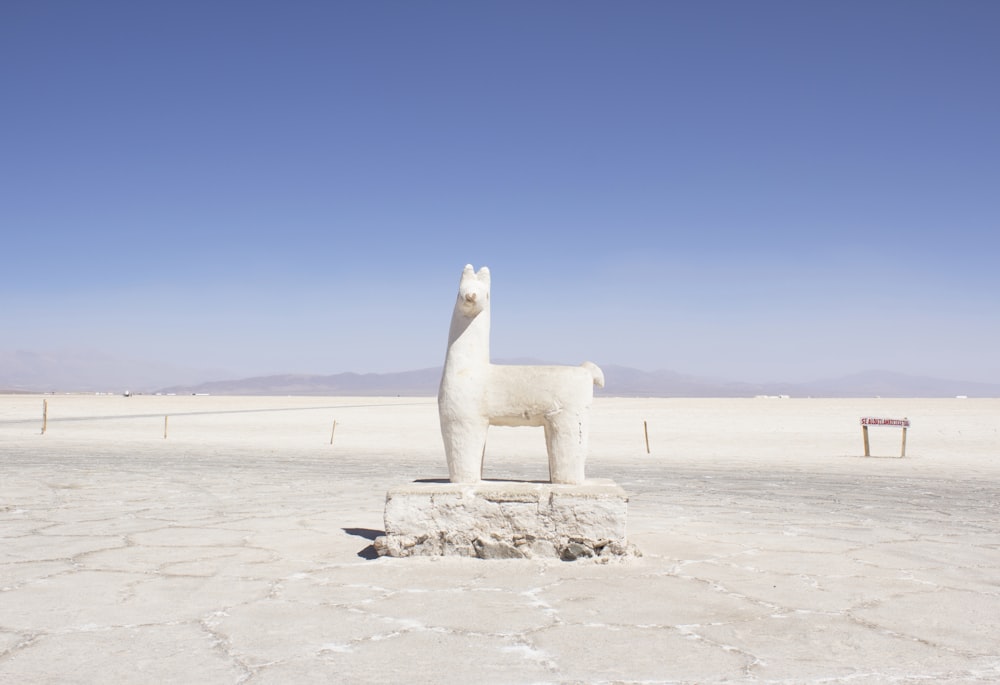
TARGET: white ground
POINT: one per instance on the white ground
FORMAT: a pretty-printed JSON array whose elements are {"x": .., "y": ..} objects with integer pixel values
[{"x": 237, "y": 549}]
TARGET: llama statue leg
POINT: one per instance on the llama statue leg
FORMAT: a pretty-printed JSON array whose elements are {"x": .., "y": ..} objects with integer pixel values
[
  {"x": 465, "y": 443},
  {"x": 566, "y": 441}
]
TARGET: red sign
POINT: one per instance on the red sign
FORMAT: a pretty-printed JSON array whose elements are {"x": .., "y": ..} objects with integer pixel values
[{"x": 871, "y": 421}]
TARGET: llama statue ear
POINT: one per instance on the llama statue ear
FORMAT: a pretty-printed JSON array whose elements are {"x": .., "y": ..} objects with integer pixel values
[
  {"x": 468, "y": 270},
  {"x": 484, "y": 275}
]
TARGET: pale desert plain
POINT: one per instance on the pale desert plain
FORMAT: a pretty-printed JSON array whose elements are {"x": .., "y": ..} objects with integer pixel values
[{"x": 237, "y": 549}]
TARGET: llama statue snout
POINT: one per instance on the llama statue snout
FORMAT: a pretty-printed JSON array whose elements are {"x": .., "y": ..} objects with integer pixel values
[{"x": 476, "y": 394}]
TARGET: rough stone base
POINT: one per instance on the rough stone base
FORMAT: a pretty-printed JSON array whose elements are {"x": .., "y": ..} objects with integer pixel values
[{"x": 506, "y": 520}]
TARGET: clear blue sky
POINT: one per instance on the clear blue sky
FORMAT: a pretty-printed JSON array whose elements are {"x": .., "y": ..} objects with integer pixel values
[{"x": 745, "y": 190}]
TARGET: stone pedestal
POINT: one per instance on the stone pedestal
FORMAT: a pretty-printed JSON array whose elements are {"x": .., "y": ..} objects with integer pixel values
[{"x": 506, "y": 520}]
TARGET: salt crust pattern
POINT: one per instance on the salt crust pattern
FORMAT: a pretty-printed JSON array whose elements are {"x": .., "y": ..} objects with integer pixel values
[{"x": 772, "y": 551}]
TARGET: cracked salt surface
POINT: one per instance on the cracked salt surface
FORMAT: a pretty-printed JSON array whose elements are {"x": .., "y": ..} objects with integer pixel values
[{"x": 233, "y": 552}]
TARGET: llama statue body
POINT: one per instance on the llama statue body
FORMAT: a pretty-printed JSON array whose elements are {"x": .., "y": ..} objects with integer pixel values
[{"x": 476, "y": 394}]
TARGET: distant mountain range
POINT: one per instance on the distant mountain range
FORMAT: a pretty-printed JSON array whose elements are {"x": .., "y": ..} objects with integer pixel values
[
  {"x": 621, "y": 382},
  {"x": 88, "y": 372},
  {"x": 422, "y": 382}
]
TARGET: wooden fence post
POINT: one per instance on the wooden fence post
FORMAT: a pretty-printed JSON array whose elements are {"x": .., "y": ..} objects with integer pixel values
[
  {"x": 333, "y": 430},
  {"x": 645, "y": 431},
  {"x": 45, "y": 415},
  {"x": 864, "y": 431}
]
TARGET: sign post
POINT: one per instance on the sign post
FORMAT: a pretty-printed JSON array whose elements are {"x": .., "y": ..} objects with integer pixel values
[{"x": 866, "y": 421}]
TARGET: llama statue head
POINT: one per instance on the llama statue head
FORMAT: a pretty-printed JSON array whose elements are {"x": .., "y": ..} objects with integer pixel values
[
  {"x": 472, "y": 307},
  {"x": 473, "y": 292}
]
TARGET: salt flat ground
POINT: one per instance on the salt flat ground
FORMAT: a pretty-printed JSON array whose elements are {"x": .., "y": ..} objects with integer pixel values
[{"x": 237, "y": 549}]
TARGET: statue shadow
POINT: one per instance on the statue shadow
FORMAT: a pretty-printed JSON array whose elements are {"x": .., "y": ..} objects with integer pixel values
[{"x": 368, "y": 534}]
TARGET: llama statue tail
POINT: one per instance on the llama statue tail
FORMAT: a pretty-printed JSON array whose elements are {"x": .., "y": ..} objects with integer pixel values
[{"x": 596, "y": 372}]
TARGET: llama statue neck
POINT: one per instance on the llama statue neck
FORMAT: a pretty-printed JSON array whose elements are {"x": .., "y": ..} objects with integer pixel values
[{"x": 469, "y": 335}]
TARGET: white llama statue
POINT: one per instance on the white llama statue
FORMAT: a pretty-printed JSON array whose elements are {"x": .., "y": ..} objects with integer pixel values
[{"x": 476, "y": 394}]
